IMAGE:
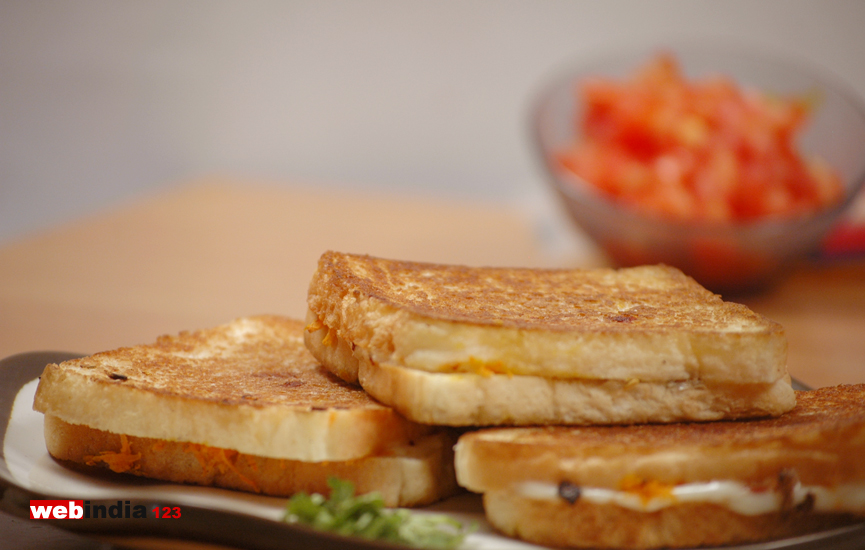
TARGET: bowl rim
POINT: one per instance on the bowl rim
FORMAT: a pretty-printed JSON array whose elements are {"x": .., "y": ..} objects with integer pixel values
[{"x": 578, "y": 188}]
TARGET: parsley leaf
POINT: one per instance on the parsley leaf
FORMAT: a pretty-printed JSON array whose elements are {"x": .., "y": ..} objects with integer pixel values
[{"x": 366, "y": 516}]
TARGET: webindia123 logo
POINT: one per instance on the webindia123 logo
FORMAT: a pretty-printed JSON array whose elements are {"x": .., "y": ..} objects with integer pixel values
[{"x": 83, "y": 509}]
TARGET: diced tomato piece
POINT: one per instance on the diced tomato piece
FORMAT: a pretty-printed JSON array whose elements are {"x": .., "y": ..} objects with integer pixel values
[{"x": 701, "y": 150}]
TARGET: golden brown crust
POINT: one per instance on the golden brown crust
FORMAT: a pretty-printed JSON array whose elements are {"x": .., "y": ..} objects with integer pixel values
[
  {"x": 822, "y": 438},
  {"x": 255, "y": 361},
  {"x": 646, "y": 298},
  {"x": 646, "y": 324},
  {"x": 249, "y": 385},
  {"x": 413, "y": 475},
  {"x": 586, "y": 525}
]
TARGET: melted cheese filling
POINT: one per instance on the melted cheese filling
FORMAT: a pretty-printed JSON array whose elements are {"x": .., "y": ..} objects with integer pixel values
[{"x": 733, "y": 495}]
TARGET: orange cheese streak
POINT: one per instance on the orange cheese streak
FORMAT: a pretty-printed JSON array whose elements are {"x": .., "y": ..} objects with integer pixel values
[
  {"x": 697, "y": 150},
  {"x": 646, "y": 490}
]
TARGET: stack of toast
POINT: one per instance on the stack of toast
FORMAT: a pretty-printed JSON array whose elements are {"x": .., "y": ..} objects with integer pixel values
[{"x": 623, "y": 408}]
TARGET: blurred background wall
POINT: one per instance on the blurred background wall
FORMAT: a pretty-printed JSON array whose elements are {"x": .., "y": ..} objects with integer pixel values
[{"x": 104, "y": 100}]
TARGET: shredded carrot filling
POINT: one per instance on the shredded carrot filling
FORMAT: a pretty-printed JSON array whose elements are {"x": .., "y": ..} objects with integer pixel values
[
  {"x": 251, "y": 463},
  {"x": 314, "y": 326},
  {"x": 120, "y": 461},
  {"x": 329, "y": 338},
  {"x": 221, "y": 459}
]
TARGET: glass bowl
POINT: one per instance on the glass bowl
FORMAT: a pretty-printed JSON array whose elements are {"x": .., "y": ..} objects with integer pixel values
[{"x": 727, "y": 257}]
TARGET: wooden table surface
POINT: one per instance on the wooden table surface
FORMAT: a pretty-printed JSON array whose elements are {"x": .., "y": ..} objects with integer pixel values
[
  {"x": 206, "y": 252},
  {"x": 210, "y": 251}
]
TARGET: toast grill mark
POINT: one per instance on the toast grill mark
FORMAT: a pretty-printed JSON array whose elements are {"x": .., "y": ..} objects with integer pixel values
[{"x": 626, "y": 318}]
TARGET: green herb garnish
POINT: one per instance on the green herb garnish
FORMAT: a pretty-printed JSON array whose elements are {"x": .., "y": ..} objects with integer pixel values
[{"x": 366, "y": 516}]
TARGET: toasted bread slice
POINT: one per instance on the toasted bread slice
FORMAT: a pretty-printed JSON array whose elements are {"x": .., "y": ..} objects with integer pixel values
[
  {"x": 485, "y": 328},
  {"x": 478, "y": 400},
  {"x": 249, "y": 385},
  {"x": 583, "y": 525},
  {"x": 637, "y": 486},
  {"x": 405, "y": 475},
  {"x": 248, "y": 388}
]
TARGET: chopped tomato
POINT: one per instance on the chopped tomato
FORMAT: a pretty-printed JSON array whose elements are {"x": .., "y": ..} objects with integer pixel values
[{"x": 697, "y": 150}]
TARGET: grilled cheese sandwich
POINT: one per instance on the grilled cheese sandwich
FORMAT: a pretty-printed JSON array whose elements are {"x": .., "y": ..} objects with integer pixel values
[
  {"x": 243, "y": 406},
  {"x": 462, "y": 346},
  {"x": 675, "y": 485}
]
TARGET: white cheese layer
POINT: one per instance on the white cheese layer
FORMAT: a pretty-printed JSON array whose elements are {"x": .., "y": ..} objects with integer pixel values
[{"x": 733, "y": 495}]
